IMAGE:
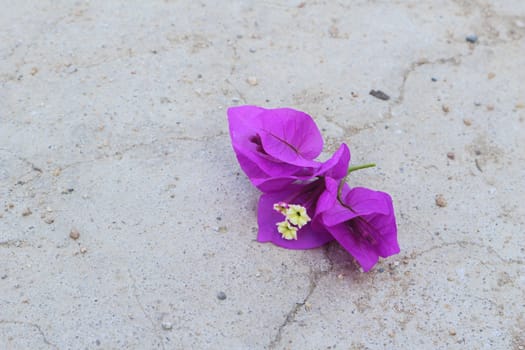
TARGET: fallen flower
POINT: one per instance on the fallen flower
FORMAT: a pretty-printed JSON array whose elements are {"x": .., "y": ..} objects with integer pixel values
[
  {"x": 301, "y": 229},
  {"x": 277, "y": 145},
  {"x": 361, "y": 220},
  {"x": 306, "y": 203}
]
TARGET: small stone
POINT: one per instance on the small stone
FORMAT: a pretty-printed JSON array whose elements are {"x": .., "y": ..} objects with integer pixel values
[
  {"x": 490, "y": 108},
  {"x": 433, "y": 79},
  {"x": 451, "y": 155},
  {"x": 27, "y": 212},
  {"x": 83, "y": 250},
  {"x": 252, "y": 81},
  {"x": 307, "y": 306},
  {"x": 34, "y": 70},
  {"x": 333, "y": 31},
  {"x": 74, "y": 234},
  {"x": 167, "y": 325},
  {"x": 221, "y": 296},
  {"x": 57, "y": 172},
  {"x": 49, "y": 220},
  {"x": 440, "y": 201},
  {"x": 491, "y": 75},
  {"x": 452, "y": 332},
  {"x": 472, "y": 38},
  {"x": 3, "y": 277},
  {"x": 71, "y": 69},
  {"x": 380, "y": 95},
  {"x": 252, "y": 50},
  {"x": 445, "y": 108},
  {"x": 467, "y": 122}
]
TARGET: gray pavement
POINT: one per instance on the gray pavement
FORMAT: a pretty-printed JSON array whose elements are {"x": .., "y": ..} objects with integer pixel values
[{"x": 113, "y": 124}]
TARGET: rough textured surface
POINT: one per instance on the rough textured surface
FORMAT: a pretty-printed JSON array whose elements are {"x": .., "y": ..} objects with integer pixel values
[{"x": 112, "y": 122}]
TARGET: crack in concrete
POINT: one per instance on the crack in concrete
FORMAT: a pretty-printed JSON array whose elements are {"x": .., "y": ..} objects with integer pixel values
[
  {"x": 12, "y": 242},
  {"x": 314, "y": 278},
  {"x": 28, "y": 162},
  {"x": 136, "y": 295},
  {"x": 34, "y": 325},
  {"x": 350, "y": 131},
  {"x": 239, "y": 93},
  {"x": 464, "y": 244},
  {"x": 118, "y": 153},
  {"x": 455, "y": 60}
]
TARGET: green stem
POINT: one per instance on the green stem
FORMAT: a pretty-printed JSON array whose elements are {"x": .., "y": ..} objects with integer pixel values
[
  {"x": 359, "y": 167},
  {"x": 341, "y": 184}
]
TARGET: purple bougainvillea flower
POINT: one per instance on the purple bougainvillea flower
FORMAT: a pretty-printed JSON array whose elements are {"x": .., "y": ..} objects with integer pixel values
[
  {"x": 281, "y": 214},
  {"x": 306, "y": 203},
  {"x": 335, "y": 167},
  {"x": 276, "y": 145},
  {"x": 362, "y": 221}
]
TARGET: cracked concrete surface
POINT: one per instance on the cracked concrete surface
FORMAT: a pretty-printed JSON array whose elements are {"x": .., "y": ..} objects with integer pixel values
[{"x": 113, "y": 122}]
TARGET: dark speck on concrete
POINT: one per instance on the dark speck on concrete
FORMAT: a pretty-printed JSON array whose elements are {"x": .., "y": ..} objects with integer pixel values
[
  {"x": 472, "y": 38},
  {"x": 379, "y": 94},
  {"x": 433, "y": 79},
  {"x": 221, "y": 296}
]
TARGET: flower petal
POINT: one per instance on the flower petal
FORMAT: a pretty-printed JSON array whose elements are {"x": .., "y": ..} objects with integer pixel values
[
  {"x": 366, "y": 201},
  {"x": 307, "y": 238},
  {"x": 337, "y": 166},
  {"x": 328, "y": 199},
  {"x": 290, "y": 136},
  {"x": 365, "y": 225},
  {"x": 366, "y": 257},
  {"x": 246, "y": 127}
]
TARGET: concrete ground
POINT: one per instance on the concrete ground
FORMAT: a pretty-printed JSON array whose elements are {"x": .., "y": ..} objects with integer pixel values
[{"x": 113, "y": 125}]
